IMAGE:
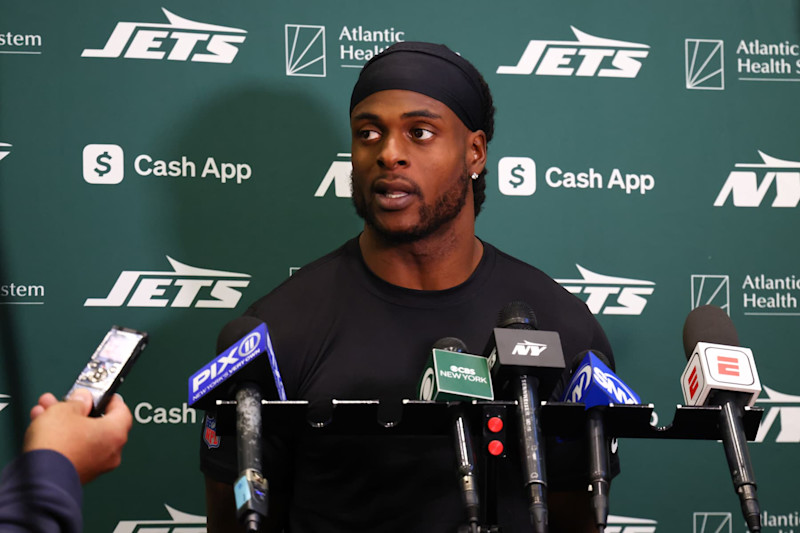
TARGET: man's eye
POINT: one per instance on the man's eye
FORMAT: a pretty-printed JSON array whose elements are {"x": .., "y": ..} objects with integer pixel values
[
  {"x": 421, "y": 133},
  {"x": 368, "y": 135}
]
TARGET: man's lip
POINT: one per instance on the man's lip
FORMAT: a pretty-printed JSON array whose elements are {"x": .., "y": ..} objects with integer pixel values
[
  {"x": 397, "y": 185},
  {"x": 394, "y": 193},
  {"x": 393, "y": 201}
]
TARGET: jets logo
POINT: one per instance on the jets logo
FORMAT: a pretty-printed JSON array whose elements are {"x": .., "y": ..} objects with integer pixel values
[
  {"x": 178, "y": 40},
  {"x": 529, "y": 348},
  {"x": 626, "y": 524},
  {"x": 744, "y": 188},
  {"x": 587, "y": 56},
  {"x": 781, "y": 422},
  {"x": 609, "y": 295},
  {"x": 178, "y": 522},
  {"x": 183, "y": 286}
]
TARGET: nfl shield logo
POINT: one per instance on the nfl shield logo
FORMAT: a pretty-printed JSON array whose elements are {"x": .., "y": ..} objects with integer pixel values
[{"x": 210, "y": 433}]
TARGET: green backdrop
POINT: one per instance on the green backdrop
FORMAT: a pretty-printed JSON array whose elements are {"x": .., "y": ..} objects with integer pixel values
[{"x": 647, "y": 156}]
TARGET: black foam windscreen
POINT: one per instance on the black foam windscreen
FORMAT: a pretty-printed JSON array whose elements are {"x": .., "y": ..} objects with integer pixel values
[
  {"x": 517, "y": 315},
  {"x": 708, "y": 323},
  {"x": 234, "y": 330},
  {"x": 451, "y": 344},
  {"x": 578, "y": 359}
]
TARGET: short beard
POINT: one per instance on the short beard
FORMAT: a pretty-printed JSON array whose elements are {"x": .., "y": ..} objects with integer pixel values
[{"x": 431, "y": 217}]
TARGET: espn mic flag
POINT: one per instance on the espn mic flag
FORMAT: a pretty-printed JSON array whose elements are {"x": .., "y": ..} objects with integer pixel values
[
  {"x": 721, "y": 373},
  {"x": 719, "y": 367}
]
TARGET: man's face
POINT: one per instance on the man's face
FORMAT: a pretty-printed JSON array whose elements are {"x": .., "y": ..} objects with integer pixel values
[{"x": 410, "y": 175}]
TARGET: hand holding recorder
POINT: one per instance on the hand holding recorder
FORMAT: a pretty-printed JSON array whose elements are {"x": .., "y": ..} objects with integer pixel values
[{"x": 92, "y": 445}]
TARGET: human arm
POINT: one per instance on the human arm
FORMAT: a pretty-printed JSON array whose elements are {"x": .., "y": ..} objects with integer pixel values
[
  {"x": 92, "y": 445},
  {"x": 41, "y": 490}
]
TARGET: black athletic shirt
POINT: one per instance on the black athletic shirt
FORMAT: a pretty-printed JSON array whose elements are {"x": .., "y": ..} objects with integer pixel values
[{"x": 341, "y": 332}]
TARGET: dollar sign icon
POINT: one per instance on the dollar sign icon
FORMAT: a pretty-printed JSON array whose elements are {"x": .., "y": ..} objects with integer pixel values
[
  {"x": 516, "y": 172},
  {"x": 104, "y": 165},
  {"x": 516, "y": 176}
]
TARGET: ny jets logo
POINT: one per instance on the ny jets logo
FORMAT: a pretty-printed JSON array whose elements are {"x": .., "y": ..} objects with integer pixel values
[
  {"x": 783, "y": 407},
  {"x": 529, "y": 348}
]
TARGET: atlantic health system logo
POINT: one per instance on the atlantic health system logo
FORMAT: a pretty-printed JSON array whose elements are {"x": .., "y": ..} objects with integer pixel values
[
  {"x": 20, "y": 43},
  {"x": 307, "y": 51},
  {"x": 705, "y": 522},
  {"x": 757, "y": 60},
  {"x": 179, "y": 40},
  {"x": 587, "y": 56},
  {"x": 761, "y": 294},
  {"x": 711, "y": 289},
  {"x": 705, "y": 64}
]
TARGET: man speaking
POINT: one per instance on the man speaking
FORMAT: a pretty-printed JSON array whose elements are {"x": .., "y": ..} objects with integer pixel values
[{"x": 359, "y": 322}]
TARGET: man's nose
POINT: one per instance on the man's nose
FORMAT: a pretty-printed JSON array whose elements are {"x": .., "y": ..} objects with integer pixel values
[{"x": 391, "y": 154}]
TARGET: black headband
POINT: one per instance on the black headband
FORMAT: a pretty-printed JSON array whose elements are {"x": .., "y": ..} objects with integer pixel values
[{"x": 430, "y": 69}]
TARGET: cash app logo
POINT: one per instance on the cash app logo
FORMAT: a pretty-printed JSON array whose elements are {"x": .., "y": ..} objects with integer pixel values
[
  {"x": 517, "y": 176},
  {"x": 103, "y": 164}
]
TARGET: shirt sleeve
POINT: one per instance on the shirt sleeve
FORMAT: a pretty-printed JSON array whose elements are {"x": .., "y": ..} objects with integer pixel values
[{"x": 40, "y": 492}]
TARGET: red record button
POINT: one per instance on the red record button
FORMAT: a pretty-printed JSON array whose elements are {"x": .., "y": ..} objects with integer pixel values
[
  {"x": 495, "y": 424},
  {"x": 495, "y": 447}
]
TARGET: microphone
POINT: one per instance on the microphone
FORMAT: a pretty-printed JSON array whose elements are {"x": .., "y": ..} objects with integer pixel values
[
  {"x": 451, "y": 374},
  {"x": 236, "y": 372},
  {"x": 595, "y": 385},
  {"x": 720, "y": 372},
  {"x": 527, "y": 363},
  {"x": 240, "y": 342}
]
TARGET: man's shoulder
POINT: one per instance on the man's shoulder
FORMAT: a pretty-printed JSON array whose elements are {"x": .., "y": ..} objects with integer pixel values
[
  {"x": 535, "y": 286},
  {"x": 309, "y": 282},
  {"x": 523, "y": 271}
]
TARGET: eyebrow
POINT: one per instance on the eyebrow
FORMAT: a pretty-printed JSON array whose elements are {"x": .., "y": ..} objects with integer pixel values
[
  {"x": 421, "y": 113},
  {"x": 410, "y": 114}
]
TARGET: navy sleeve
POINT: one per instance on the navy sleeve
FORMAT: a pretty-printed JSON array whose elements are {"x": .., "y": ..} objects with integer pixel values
[{"x": 40, "y": 492}]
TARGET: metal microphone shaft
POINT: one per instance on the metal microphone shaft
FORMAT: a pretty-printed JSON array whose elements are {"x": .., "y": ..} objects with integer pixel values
[
  {"x": 531, "y": 450},
  {"x": 251, "y": 487},
  {"x": 598, "y": 465},
  {"x": 466, "y": 466},
  {"x": 738, "y": 456}
]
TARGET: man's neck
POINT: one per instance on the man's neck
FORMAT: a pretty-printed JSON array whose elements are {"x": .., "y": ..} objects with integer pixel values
[{"x": 435, "y": 263}]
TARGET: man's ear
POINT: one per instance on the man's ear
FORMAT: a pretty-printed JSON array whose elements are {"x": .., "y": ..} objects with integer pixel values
[{"x": 476, "y": 152}]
